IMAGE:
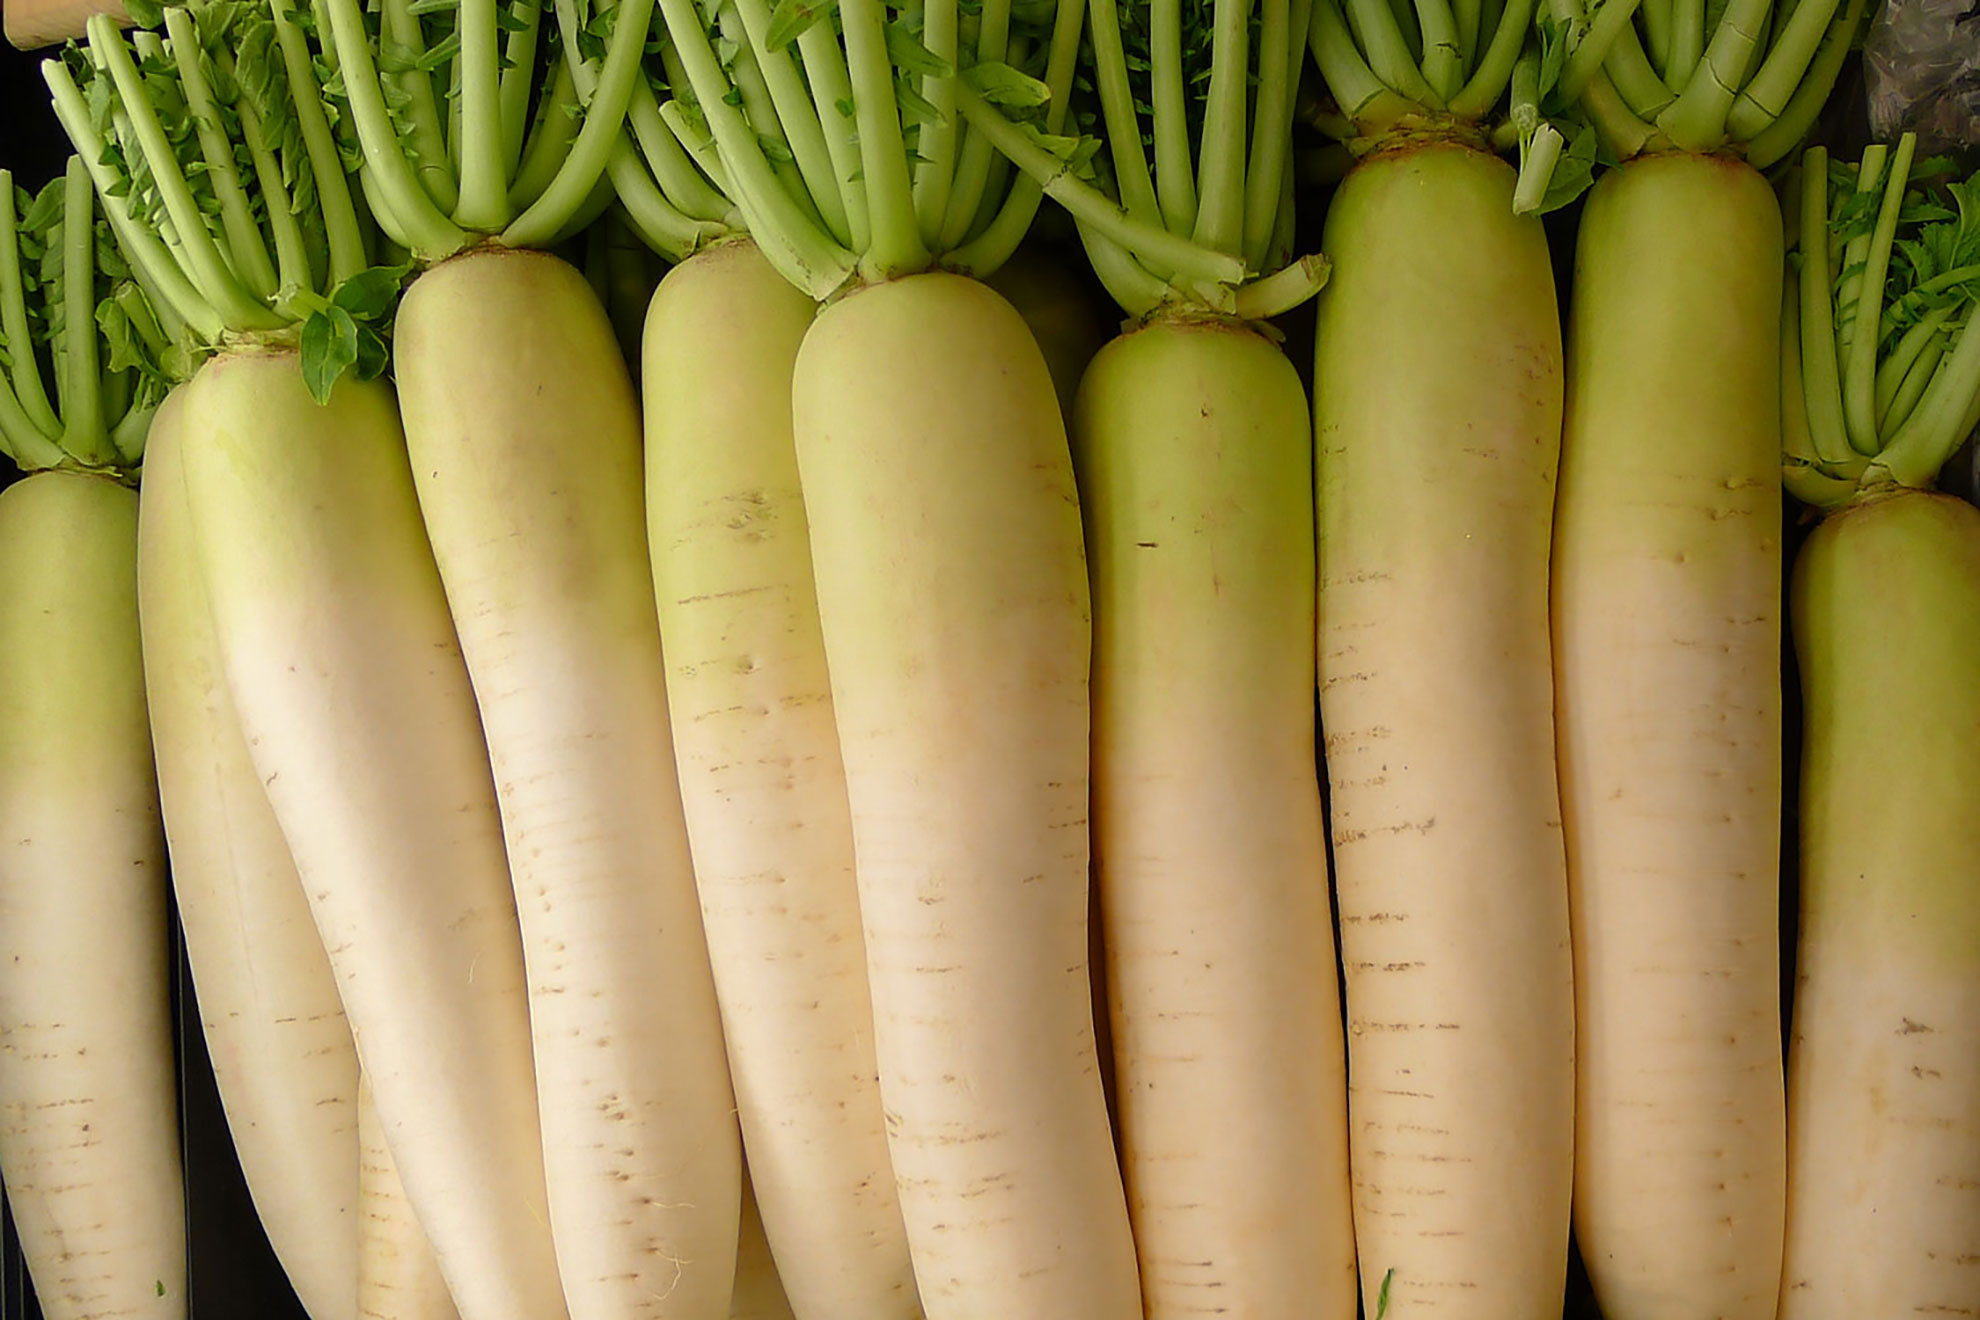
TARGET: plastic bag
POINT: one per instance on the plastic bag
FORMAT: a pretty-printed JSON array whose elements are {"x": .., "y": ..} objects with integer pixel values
[{"x": 1921, "y": 63}]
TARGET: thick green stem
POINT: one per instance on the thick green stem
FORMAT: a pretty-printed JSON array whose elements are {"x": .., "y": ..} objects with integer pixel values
[
  {"x": 549, "y": 145},
  {"x": 1923, "y": 338},
  {"x": 1150, "y": 243},
  {"x": 140, "y": 244},
  {"x": 1867, "y": 328},
  {"x": 84, "y": 432},
  {"x": 518, "y": 79},
  {"x": 244, "y": 241},
  {"x": 1283, "y": 29},
  {"x": 1221, "y": 155},
  {"x": 1628, "y": 68},
  {"x": 830, "y": 83},
  {"x": 1442, "y": 63},
  {"x": 549, "y": 215},
  {"x": 1389, "y": 54},
  {"x": 936, "y": 143},
  {"x": 1282, "y": 290},
  {"x": 349, "y": 251},
  {"x": 1110, "y": 76},
  {"x": 1127, "y": 282},
  {"x": 1912, "y": 386},
  {"x": 1687, "y": 43},
  {"x": 1850, "y": 263},
  {"x": 1611, "y": 22},
  {"x": 1363, "y": 97},
  {"x": 426, "y": 230},
  {"x": 400, "y": 34},
  {"x": 1766, "y": 94},
  {"x": 484, "y": 200},
  {"x": 28, "y": 391},
  {"x": 682, "y": 185},
  {"x": 1818, "y": 333},
  {"x": 805, "y": 253},
  {"x": 242, "y": 310},
  {"x": 660, "y": 224},
  {"x": 1788, "y": 129},
  {"x": 895, "y": 247},
  {"x": 1494, "y": 71},
  {"x": 798, "y": 118},
  {"x": 1696, "y": 121},
  {"x": 291, "y": 252},
  {"x": 1175, "y": 171},
  {"x": 1921, "y": 446}
]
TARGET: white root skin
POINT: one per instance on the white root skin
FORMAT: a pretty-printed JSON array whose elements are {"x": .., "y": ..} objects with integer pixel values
[
  {"x": 1667, "y": 644},
  {"x": 1436, "y": 695},
  {"x": 358, "y": 712},
  {"x": 274, "y": 1025},
  {"x": 525, "y": 441},
  {"x": 89, "y": 1139},
  {"x": 1193, "y": 446},
  {"x": 1883, "y": 1210},
  {"x": 952, "y": 592},
  {"x": 396, "y": 1276},
  {"x": 762, "y": 781}
]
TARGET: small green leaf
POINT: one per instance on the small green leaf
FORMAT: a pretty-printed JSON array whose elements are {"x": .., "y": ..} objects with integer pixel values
[
  {"x": 1002, "y": 85},
  {"x": 791, "y": 19},
  {"x": 369, "y": 294},
  {"x": 1382, "y": 1297},
  {"x": 148, "y": 14},
  {"x": 910, "y": 56},
  {"x": 329, "y": 348}
]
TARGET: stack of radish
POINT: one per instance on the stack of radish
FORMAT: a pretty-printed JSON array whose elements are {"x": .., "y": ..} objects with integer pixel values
[{"x": 633, "y": 823}]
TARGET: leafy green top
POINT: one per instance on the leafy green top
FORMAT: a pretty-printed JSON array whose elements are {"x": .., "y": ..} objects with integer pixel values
[
  {"x": 866, "y": 139},
  {"x": 1880, "y": 367},
  {"x": 1703, "y": 75},
  {"x": 83, "y": 358},
  {"x": 223, "y": 171}
]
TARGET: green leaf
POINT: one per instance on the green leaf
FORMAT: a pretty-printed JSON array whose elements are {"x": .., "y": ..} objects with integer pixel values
[
  {"x": 1002, "y": 85},
  {"x": 329, "y": 348},
  {"x": 1382, "y": 1297},
  {"x": 369, "y": 294},
  {"x": 791, "y": 19},
  {"x": 147, "y": 14},
  {"x": 910, "y": 56},
  {"x": 1574, "y": 172}
]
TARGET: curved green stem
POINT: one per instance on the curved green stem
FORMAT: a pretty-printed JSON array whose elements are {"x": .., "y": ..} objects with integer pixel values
[
  {"x": 1442, "y": 64},
  {"x": 1818, "y": 333},
  {"x": 659, "y": 224},
  {"x": 1766, "y": 94},
  {"x": 1619, "y": 126},
  {"x": 349, "y": 250},
  {"x": 244, "y": 242},
  {"x": 1611, "y": 22},
  {"x": 798, "y": 117},
  {"x": 1362, "y": 96},
  {"x": 242, "y": 310},
  {"x": 605, "y": 115},
  {"x": 1494, "y": 71},
  {"x": 1091, "y": 207},
  {"x": 80, "y": 385},
  {"x": 426, "y": 143},
  {"x": 425, "y": 229},
  {"x": 806, "y": 255},
  {"x": 1635, "y": 81},
  {"x": 1928, "y": 437},
  {"x": 825, "y": 73},
  {"x": 1388, "y": 52},
  {"x": 760, "y": 109},
  {"x": 1788, "y": 129},
  {"x": 1921, "y": 339},
  {"x": 1127, "y": 281},
  {"x": 1867, "y": 326},
  {"x": 1911, "y": 388},
  {"x": 680, "y": 183},
  {"x": 550, "y": 141},
  {"x": 1696, "y": 121},
  {"x": 28, "y": 390}
]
